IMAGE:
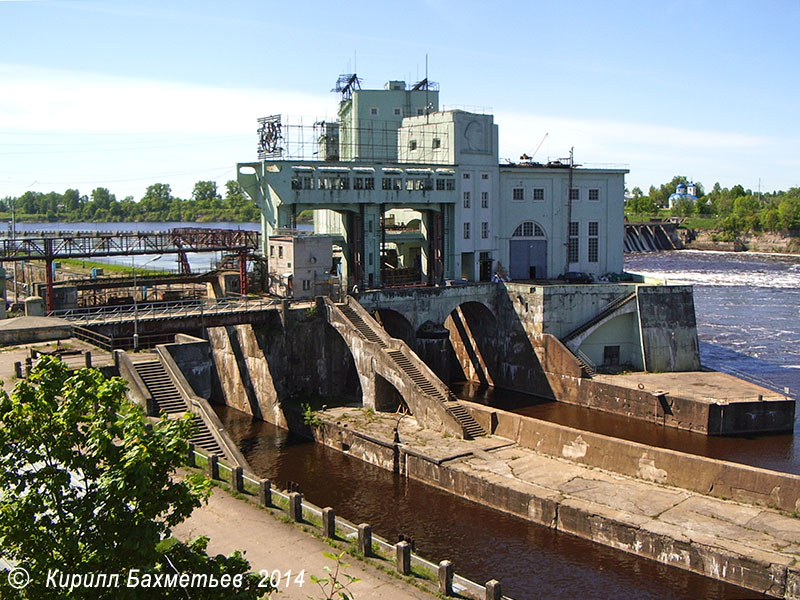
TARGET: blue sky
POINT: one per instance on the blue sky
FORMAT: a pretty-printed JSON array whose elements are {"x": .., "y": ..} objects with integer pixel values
[{"x": 124, "y": 94}]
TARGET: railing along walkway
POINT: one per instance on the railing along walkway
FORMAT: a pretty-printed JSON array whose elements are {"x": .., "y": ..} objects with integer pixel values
[
  {"x": 331, "y": 526},
  {"x": 100, "y": 315}
]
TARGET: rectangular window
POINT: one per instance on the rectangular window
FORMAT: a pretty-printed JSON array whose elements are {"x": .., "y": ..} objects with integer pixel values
[
  {"x": 358, "y": 183},
  {"x": 440, "y": 184},
  {"x": 386, "y": 183},
  {"x": 574, "y": 194},
  {"x": 412, "y": 145},
  {"x": 538, "y": 194},
  {"x": 397, "y": 112},
  {"x": 409, "y": 184},
  {"x": 280, "y": 251},
  {"x": 397, "y": 183},
  {"x": 594, "y": 194},
  {"x": 370, "y": 258},
  {"x": 465, "y": 175},
  {"x": 437, "y": 143},
  {"x": 306, "y": 284},
  {"x": 308, "y": 183},
  {"x": 518, "y": 193},
  {"x": 466, "y": 199},
  {"x": 373, "y": 111},
  {"x": 574, "y": 248},
  {"x": 484, "y": 199},
  {"x": 296, "y": 183},
  {"x": 594, "y": 231},
  {"x": 369, "y": 183},
  {"x": 272, "y": 251},
  {"x": 466, "y": 231},
  {"x": 484, "y": 230},
  {"x": 484, "y": 176},
  {"x": 420, "y": 111},
  {"x": 450, "y": 185}
]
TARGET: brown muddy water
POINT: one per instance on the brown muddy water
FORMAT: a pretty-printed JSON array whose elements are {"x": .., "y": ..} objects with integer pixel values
[
  {"x": 775, "y": 452},
  {"x": 531, "y": 561}
]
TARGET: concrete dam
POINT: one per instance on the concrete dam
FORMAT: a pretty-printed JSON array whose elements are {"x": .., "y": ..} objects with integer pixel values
[{"x": 394, "y": 352}]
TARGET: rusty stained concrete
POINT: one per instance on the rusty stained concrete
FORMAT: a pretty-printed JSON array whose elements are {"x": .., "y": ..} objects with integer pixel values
[{"x": 743, "y": 544}]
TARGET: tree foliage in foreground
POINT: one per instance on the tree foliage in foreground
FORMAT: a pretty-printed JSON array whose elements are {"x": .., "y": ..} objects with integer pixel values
[{"x": 87, "y": 485}]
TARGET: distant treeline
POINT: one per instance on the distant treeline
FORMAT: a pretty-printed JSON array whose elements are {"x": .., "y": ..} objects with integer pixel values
[
  {"x": 157, "y": 204},
  {"x": 734, "y": 211}
]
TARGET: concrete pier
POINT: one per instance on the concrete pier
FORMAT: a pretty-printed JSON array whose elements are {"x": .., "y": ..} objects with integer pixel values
[{"x": 744, "y": 544}]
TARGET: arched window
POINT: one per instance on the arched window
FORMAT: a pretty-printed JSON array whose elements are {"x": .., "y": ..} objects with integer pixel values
[{"x": 528, "y": 229}]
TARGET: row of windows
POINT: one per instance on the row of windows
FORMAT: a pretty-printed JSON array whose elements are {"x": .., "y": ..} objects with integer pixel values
[
  {"x": 484, "y": 230},
  {"x": 436, "y": 144},
  {"x": 518, "y": 194},
  {"x": 337, "y": 182},
  {"x": 484, "y": 199},
  {"x": 469, "y": 176},
  {"x": 396, "y": 111}
]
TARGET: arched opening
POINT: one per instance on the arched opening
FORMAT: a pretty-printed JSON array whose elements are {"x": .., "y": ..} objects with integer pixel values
[
  {"x": 472, "y": 331},
  {"x": 527, "y": 252},
  {"x": 395, "y": 324},
  {"x": 387, "y": 398}
]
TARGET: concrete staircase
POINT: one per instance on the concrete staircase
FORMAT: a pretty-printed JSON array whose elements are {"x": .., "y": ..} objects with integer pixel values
[
  {"x": 168, "y": 399},
  {"x": 607, "y": 310},
  {"x": 423, "y": 381}
]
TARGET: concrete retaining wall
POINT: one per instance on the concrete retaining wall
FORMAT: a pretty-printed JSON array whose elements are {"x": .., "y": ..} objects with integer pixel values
[
  {"x": 589, "y": 521},
  {"x": 687, "y": 471},
  {"x": 293, "y": 353}
]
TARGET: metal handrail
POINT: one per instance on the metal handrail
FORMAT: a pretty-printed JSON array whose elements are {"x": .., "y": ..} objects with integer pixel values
[{"x": 105, "y": 314}]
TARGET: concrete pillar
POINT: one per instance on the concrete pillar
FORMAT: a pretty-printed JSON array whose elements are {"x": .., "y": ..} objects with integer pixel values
[
  {"x": 365, "y": 539},
  {"x": 28, "y": 366},
  {"x": 403, "y": 557},
  {"x": 237, "y": 479},
  {"x": 493, "y": 591},
  {"x": 18, "y": 369},
  {"x": 265, "y": 492},
  {"x": 190, "y": 458},
  {"x": 88, "y": 359},
  {"x": 296, "y": 507},
  {"x": 446, "y": 578},
  {"x": 329, "y": 522},
  {"x": 213, "y": 466}
]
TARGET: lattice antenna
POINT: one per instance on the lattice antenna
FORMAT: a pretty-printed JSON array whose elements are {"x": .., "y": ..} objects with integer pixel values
[{"x": 346, "y": 84}]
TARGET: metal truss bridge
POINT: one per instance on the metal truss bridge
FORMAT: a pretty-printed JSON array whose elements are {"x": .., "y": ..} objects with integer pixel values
[{"x": 180, "y": 241}]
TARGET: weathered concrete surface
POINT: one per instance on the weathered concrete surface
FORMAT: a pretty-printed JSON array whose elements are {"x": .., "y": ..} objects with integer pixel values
[
  {"x": 668, "y": 328},
  {"x": 291, "y": 353},
  {"x": 26, "y": 330},
  {"x": 698, "y": 474},
  {"x": 747, "y": 545},
  {"x": 383, "y": 381}
]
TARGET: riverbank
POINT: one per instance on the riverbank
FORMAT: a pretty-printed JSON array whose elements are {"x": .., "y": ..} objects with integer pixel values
[
  {"x": 740, "y": 543},
  {"x": 771, "y": 242}
]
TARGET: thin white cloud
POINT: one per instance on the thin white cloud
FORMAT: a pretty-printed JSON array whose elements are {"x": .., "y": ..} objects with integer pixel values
[{"x": 72, "y": 101}]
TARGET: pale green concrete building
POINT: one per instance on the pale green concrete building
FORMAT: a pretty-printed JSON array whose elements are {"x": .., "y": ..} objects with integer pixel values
[{"x": 411, "y": 193}]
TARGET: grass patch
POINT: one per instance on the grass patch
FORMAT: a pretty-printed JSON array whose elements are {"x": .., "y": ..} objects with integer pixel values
[{"x": 110, "y": 267}]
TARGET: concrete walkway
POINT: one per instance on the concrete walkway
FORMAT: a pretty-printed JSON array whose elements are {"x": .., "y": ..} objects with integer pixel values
[
  {"x": 748, "y": 545},
  {"x": 270, "y": 544}
]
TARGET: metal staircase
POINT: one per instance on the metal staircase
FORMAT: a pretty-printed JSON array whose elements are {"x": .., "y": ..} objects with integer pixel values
[
  {"x": 469, "y": 425},
  {"x": 168, "y": 399}
]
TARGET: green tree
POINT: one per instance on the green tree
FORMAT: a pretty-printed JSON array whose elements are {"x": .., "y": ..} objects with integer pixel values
[
  {"x": 89, "y": 487},
  {"x": 205, "y": 191}
]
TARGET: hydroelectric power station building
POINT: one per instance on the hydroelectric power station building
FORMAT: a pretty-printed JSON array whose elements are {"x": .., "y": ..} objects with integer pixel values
[{"x": 414, "y": 194}]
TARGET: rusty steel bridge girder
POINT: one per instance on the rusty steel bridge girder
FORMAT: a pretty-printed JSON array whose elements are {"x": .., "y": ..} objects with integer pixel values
[{"x": 106, "y": 244}]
